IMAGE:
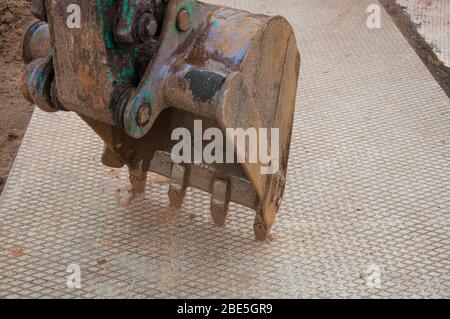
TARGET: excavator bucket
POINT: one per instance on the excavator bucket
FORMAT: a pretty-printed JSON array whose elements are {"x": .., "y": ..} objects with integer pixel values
[{"x": 201, "y": 94}]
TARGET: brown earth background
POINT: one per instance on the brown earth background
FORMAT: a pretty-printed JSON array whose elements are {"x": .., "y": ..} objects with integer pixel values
[{"x": 15, "y": 112}]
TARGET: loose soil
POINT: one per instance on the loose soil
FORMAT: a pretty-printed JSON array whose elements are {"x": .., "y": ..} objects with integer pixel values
[{"x": 15, "y": 112}]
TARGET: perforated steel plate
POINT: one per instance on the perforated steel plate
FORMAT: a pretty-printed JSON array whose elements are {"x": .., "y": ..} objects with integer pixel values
[{"x": 366, "y": 212}]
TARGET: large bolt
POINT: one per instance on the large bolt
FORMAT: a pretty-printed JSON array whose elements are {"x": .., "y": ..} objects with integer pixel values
[
  {"x": 146, "y": 28},
  {"x": 183, "y": 20},
  {"x": 144, "y": 115}
]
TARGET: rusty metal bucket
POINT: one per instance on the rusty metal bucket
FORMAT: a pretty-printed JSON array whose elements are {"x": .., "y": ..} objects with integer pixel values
[{"x": 137, "y": 70}]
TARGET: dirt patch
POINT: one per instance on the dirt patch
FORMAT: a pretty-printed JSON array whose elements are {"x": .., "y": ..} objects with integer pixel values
[
  {"x": 409, "y": 30},
  {"x": 16, "y": 252},
  {"x": 15, "y": 112}
]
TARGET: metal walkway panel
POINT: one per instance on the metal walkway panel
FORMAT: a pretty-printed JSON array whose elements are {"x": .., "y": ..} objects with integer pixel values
[{"x": 366, "y": 211}]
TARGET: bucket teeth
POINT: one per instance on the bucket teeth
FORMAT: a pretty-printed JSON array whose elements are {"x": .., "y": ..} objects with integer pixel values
[
  {"x": 178, "y": 186},
  {"x": 220, "y": 201}
]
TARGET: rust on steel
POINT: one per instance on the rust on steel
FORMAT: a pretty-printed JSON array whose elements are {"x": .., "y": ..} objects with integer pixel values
[{"x": 136, "y": 70}]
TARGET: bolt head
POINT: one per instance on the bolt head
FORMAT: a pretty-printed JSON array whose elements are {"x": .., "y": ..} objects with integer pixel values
[
  {"x": 151, "y": 28},
  {"x": 146, "y": 28},
  {"x": 183, "y": 20},
  {"x": 144, "y": 115}
]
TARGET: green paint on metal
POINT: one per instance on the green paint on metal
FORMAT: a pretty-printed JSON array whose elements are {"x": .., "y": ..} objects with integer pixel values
[
  {"x": 128, "y": 12},
  {"x": 127, "y": 72},
  {"x": 125, "y": 8},
  {"x": 189, "y": 5},
  {"x": 141, "y": 132},
  {"x": 100, "y": 13},
  {"x": 214, "y": 24},
  {"x": 40, "y": 84},
  {"x": 100, "y": 10},
  {"x": 105, "y": 8},
  {"x": 111, "y": 76},
  {"x": 122, "y": 75},
  {"x": 148, "y": 96},
  {"x": 144, "y": 96},
  {"x": 109, "y": 41}
]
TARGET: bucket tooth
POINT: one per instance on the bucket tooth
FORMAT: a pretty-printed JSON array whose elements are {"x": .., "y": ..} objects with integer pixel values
[
  {"x": 178, "y": 186},
  {"x": 220, "y": 201},
  {"x": 262, "y": 228},
  {"x": 138, "y": 179},
  {"x": 136, "y": 189}
]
